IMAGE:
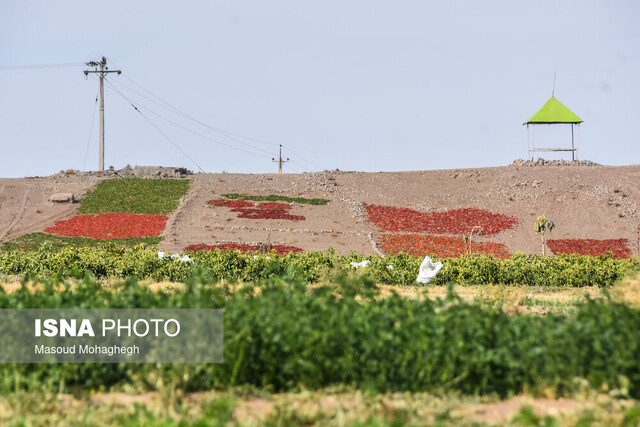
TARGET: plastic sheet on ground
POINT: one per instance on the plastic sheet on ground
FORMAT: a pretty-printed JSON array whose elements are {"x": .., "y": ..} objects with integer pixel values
[
  {"x": 428, "y": 270},
  {"x": 360, "y": 264},
  {"x": 184, "y": 258}
]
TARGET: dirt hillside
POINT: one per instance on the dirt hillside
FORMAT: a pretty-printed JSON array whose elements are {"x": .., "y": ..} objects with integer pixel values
[{"x": 597, "y": 202}]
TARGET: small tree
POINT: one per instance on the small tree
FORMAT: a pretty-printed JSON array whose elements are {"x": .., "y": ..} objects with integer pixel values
[
  {"x": 543, "y": 224},
  {"x": 467, "y": 238},
  {"x": 638, "y": 240}
]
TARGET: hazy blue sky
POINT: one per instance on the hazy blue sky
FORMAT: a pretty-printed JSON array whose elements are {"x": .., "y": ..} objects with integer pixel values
[{"x": 356, "y": 85}]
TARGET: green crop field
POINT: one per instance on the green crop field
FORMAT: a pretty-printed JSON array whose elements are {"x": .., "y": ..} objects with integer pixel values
[
  {"x": 341, "y": 340},
  {"x": 34, "y": 241},
  {"x": 135, "y": 195}
]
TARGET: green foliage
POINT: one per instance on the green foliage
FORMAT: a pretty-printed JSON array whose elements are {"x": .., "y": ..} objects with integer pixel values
[
  {"x": 541, "y": 225},
  {"x": 288, "y": 337},
  {"x": 114, "y": 261},
  {"x": 33, "y": 241},
  {"x": 274, "y": 198},
  {"x": 135, "y": 195}
]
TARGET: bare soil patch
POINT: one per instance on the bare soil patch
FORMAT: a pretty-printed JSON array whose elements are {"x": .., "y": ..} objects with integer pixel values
[
  {"x": 585, "y": 202},
  {"x": 597, "y": 202}
]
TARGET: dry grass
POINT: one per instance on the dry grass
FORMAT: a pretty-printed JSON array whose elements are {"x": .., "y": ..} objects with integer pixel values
[
  {"x": 312, "y": 408},
  {"x": 628, "y": 292}
]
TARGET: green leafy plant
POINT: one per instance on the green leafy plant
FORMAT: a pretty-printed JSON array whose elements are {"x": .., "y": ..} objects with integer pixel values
[
  {"x": 275, "y": 198},
  {"x": 116, "y": 261},
  {"x": 135, "y": 195},
  {"x": 33, "y": 241},
  {"x": 287, "y": 336},
  {"x": 541, "y": 225}
]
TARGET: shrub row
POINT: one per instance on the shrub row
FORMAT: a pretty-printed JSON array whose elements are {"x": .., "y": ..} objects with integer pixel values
[
  {"x": 33, "y": 241},
  {"x": 285, "y": 337},
  {"x": 276, "y": 198},
  {"x": 534, "y": 270}
]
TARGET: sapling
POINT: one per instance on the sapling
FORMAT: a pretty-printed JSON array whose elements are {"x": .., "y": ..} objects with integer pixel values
[
  {"x": 543, "y": 224},
  {"x": 467, "y": 238}
]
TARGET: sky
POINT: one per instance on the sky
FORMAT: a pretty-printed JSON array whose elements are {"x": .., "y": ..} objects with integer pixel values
[{"x": 365, "y": 85}]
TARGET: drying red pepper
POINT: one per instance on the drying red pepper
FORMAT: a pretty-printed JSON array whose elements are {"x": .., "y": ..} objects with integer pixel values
[
  {"x": 617, "y": 247},
  {"x": 456, "y": 221},
  {"x": 442, "y": 246},
  {"x": 110, "y": 226}
]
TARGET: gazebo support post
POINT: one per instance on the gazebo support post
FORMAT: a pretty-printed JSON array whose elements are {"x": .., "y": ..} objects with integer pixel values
[{"x": 573, "y": 151}]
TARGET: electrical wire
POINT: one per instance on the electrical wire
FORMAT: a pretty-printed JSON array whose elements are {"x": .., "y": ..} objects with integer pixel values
[
  {"x": 39, "y": 66},
  {"x": 215, "y": 129},
  {"x": 112, "y": 87},
  {"x": 109, "y": 86},
  {"x": 168, "y": 139},
  {"x": 302, "y": 166},
  {"x": 155, "y": 126},
  {"x": 302, "y": 158},
  {"x": 176, "y": 111},
  {"x": 93, "y": 119}
]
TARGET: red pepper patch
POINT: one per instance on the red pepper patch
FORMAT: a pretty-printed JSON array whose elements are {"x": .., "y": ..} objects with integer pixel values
[{"x": 110, "y": 226}]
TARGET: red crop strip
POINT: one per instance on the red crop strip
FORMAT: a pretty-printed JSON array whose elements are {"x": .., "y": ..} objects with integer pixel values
[
  {"x": 110, "y": 226},
  {"x": 442, "y": 246},
  {"x": 264, "y": 210},
  {"x": 618, "y": 247},
  {"x": 456, "y": 221}
]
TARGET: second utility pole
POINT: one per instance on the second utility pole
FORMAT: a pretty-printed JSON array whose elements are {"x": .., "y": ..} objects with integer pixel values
[
  {"x": 280, "y": 161},
  {"x": 102, "y": 71}
]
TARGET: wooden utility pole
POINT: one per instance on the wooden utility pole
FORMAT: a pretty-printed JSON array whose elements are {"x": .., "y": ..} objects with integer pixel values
[
  {"x": 280, "y": 161},
  {"x": 102, "y": 71}
]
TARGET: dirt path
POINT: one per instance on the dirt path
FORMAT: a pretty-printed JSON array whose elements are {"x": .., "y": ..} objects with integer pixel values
[
  {"x": 331, "y": 225},
  {"x": 18, "y": 215},
  {"x": 25, "y": 206}
]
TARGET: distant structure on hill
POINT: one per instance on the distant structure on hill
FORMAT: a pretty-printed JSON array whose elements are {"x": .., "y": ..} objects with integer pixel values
[{"x": 552, "y": 112}]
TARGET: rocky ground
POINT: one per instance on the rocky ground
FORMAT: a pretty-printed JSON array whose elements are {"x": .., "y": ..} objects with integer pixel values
[{"x": 585, "y": 200}]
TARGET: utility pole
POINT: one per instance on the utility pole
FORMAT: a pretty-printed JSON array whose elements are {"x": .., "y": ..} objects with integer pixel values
[
  {"x": 102, "y": 71},
  {"x": 280, "y": 161}
]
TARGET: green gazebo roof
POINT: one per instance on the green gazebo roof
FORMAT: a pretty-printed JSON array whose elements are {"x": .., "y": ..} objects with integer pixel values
[{"x": 553, "y": 111}]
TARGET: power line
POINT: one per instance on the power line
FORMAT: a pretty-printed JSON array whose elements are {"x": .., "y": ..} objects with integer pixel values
[
  {"x": 154, "y": 125},
  {"x": 302, "y": 158},
  {"x": 168, "y": 139},
  {"x": 40, "y": 66},
  {"x": 280, "y": 161},
  {"x": 302, "y": 166},
  {"x": 221, "y": 131},
  {"x": 111, "y": 86},
  {"x": 93, "y": 119},
  {"x": 176, "y": 111},
  {"x": 102, "y": 72}
]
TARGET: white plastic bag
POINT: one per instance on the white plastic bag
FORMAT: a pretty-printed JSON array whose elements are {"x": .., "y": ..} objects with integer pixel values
[
  {"x": 428, "y": 270},
  {"x": 360, "y": 264}
]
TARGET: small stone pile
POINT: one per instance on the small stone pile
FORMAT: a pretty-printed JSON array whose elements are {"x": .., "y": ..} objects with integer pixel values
[
  {"x": 543, "y": 162},
  {"x": 129, "y": 172}
]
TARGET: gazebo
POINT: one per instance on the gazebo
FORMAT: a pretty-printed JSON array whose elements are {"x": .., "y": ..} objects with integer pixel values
[{"x": 552, "y": 112}]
